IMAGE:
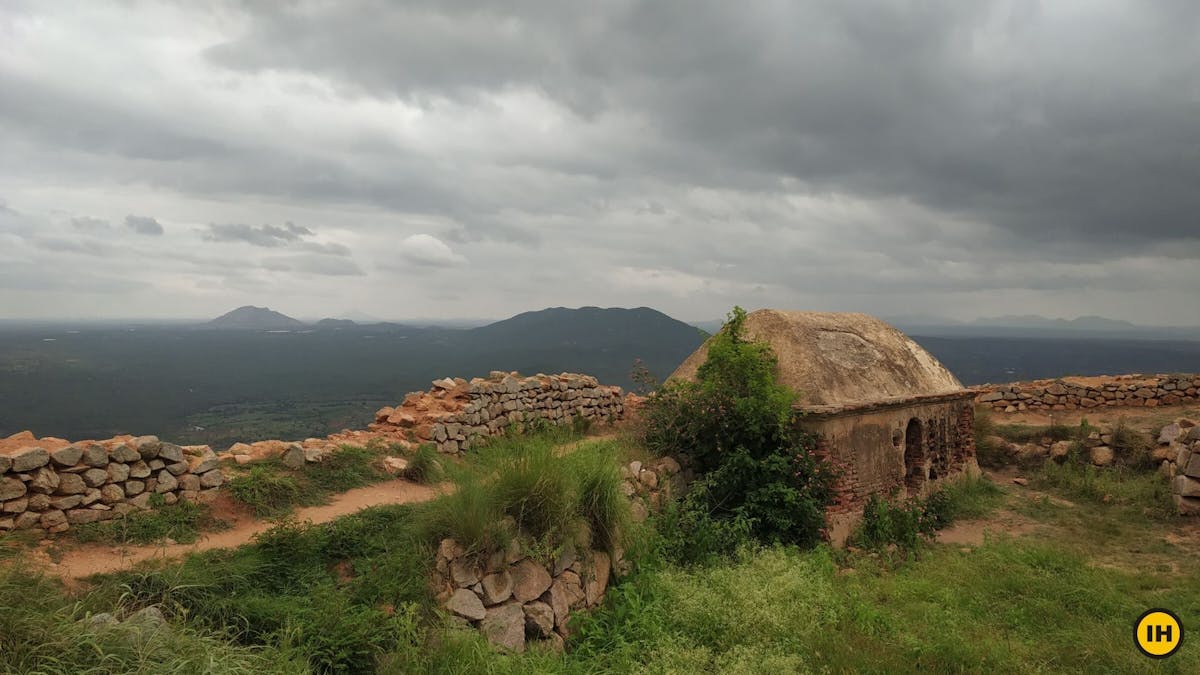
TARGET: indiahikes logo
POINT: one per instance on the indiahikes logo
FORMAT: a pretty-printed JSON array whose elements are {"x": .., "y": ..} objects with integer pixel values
[{"x": 1158, "y": 633}]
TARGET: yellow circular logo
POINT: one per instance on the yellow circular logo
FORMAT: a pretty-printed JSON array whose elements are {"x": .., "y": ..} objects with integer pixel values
[{"x": 1158, "y": 633}]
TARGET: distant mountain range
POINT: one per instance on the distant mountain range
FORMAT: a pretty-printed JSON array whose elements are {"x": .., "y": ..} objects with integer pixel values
[{"x": 1033, "y": 325}]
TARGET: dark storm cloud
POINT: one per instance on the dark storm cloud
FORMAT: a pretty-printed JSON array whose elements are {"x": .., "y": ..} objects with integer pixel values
[
  {"x": 144, "y": 225},
  {"x": 1061, "y": 127},
  {"x": 848, "y": 154}
]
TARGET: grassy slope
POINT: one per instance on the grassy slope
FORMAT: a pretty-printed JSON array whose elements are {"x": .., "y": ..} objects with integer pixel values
[{"x": 351, "y": 594}]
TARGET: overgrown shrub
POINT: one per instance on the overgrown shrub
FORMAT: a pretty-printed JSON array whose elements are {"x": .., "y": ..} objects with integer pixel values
[
  {"x": 735, "y": 423},
  {"x": 886, "y": 522},
  {"x": 905, "y": 522},
  {"x": 1131, "y": 448}
]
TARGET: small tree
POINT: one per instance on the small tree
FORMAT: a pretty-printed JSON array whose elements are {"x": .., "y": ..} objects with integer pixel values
[{"x": 735, "y": 423}]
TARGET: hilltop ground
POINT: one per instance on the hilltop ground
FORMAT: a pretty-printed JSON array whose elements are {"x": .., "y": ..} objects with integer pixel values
[{"x": 1041, "y": 577}]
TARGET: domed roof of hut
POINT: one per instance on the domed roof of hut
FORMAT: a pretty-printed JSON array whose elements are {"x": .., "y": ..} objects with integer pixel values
[{"x": 840, "y": 359}]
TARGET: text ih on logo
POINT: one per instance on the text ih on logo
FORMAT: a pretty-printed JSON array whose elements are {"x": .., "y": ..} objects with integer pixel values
[{"x": 1158, "y": 633}]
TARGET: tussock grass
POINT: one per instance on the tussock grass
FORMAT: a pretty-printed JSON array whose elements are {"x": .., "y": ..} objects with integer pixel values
[
  {"x": 424, "y": 466},
  {"x": 182, "y": 521},
  {"x": 1148, "y": 493},
  {"x": 269, "y": 491},
  {"x": 42, "y": 631},
  {"x": 272, "y": 490},
  {"x": 528, "y": 487}
]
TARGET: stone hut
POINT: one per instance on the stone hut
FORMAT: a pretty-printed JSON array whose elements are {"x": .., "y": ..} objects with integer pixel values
[{"x": 887, "y": 414}]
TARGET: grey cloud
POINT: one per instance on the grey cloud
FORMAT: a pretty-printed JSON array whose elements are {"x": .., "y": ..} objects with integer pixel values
[
  {"x": 144, "y": 225},
  {"x": 871, "y": 152},
  {"x": 325, "y": 249},
  {"x": 69, "y": 119},
  {"x": 867, "y": 98},
  {"x": 89, "y": 224},
  {"x": 31, "y": 277},
  {"x": 76, "y": 245},
  {"x": 313, "y": 265},
  {"x": 263, "y": 235}
]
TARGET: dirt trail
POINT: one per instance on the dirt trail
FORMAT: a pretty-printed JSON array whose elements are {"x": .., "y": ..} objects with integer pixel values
[{"x": 85, "y": 560}]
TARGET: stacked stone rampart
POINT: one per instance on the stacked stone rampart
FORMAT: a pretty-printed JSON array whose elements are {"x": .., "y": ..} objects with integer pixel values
[
  {"x": 515, "y": 599},
  {"x": 457, "y": 413},
  {"x": 52, "y": 484},
  {"x": 1090, "y": 392},
  {"x": 1179, "y": 443}
]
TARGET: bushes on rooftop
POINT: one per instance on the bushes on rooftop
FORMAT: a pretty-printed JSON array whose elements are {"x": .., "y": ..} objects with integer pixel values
[{"x": 735, "y": 423}]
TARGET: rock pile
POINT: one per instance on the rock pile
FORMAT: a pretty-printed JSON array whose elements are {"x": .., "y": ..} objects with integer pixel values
[
  {"x": 513, "y": 599},
  {"x": 455, "y": 413},
  {"x": 649, "y": 486},
  {"x": 52, "y": 484},
  {"x": 1097, "y": 446},
  {"x": 1179, "y": 443},
  {"x": 1090, "y": 392}
]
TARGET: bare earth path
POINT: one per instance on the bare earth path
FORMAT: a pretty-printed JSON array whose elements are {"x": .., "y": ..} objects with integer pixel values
[{"x": 85, "y": 560}]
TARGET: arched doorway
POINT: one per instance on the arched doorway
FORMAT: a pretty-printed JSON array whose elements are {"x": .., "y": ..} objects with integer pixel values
[{"x": 914, "y": 458}]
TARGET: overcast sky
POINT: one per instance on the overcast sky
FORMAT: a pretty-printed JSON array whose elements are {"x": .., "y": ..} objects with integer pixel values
[{"x": 456, "y": 159}]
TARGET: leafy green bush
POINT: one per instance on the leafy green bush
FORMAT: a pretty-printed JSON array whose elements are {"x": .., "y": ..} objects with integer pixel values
[
  {"x": 905, "y": 523},
  {"x": 735, "y": 423},
  {"x": 886, "y": 522}
]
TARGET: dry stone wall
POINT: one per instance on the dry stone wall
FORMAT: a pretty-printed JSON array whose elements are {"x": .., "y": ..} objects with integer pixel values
[
  {"x": 650, "y": 485},
  {"x": 514, "y": 599},
  {"x": 52, "y": 484},
  {"x": 1179, "y": 444},
  {"x": 1091, "y": 392},
  {"x": 457, "y": 413}
]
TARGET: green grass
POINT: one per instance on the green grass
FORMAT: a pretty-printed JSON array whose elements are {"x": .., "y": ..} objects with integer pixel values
[
  {"x": 182, "y": 522},
  {"x": 425, "y": 466},
  {"x": 907, "y": 524},
  {"x": 1148, "y": 494},
  {"x": 272, "y": 490},
  {"x": 44, "y": 631},
  {"x": 352, "y": 596},
  {"x": 527, "y": 487}
]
